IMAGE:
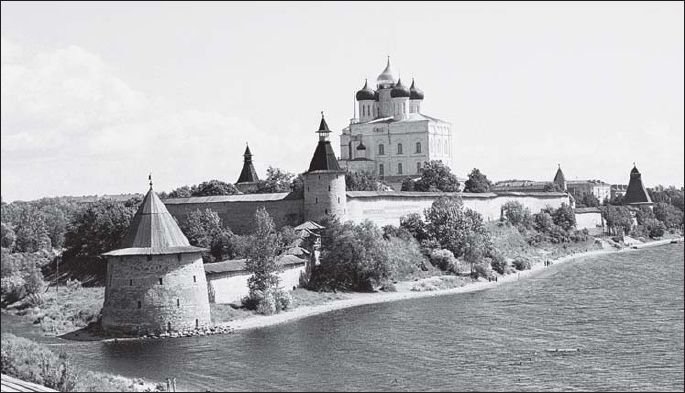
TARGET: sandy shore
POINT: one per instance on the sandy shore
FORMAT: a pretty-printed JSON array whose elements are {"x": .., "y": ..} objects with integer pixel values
[{"x": 404, "y": 292}]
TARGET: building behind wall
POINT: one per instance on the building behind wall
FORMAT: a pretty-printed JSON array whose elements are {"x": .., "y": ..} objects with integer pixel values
[{"x": 156, "y": 282}]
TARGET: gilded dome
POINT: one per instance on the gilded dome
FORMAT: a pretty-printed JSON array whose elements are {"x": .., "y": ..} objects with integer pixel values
[{"x": 386, "y": 78}]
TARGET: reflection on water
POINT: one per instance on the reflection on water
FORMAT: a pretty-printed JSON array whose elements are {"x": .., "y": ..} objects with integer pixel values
[{"x": 624, "y": 312}]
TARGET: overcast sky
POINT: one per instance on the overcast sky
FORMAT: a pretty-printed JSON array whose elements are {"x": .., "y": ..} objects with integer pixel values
[{"x": 96, "y": 95}]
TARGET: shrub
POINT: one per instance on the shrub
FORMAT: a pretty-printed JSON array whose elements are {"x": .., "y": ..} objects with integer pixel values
[
  {"x": 655, "y": 228},
  {"x": 13, "y": 288},
  {"x": 522, "y": 264},
  {"x": 564, "y": 217},
  {"x": 29, "y": 361},
  {"x": 542, "y": 222},
  {"x": 405, "y": 258},
  {"x": 267, "y": 305},
  {"x": 442, "y": 259},
  {"x": 73, "y": 285},
  {"x": 34, "y": 282},
  {"x": 498, "y": 263},
  {"x": 482, "y": 269},
  {"x": 283, "y": 300},
  {"x": 517, "y": 214}
]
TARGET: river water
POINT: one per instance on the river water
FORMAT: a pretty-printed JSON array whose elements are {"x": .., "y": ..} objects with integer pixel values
[{"x": 624, "y": 312}]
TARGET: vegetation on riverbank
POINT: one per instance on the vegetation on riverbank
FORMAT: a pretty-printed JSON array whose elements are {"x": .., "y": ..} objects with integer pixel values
[{"x": 32, "y": 362}]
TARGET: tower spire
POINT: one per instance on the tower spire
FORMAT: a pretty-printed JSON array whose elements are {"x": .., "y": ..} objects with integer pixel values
[{"x": 149, "y": 177}]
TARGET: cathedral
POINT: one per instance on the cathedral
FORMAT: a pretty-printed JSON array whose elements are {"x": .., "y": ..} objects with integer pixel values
[{"x": 391, "y": 137}]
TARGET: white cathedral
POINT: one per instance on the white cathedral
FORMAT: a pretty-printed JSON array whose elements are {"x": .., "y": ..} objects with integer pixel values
[{"x": 391, "y": 137}]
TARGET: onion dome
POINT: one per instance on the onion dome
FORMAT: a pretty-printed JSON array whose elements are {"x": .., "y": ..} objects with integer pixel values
[
  {"x": 415, "y": 92},
  {"x": 366, "y": 93},
  {"x": 386, "y": 78},
  {"x": 361, "y": 146},
  {"x": 400, "y": 90}
]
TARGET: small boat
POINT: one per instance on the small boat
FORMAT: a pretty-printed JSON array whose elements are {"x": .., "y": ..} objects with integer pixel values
[{"x": 562, "y": 350}]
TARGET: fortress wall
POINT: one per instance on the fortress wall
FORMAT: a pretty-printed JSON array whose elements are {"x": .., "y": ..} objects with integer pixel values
[
  {"x": 179, "y": 301},
  {"x": 239, "y": 215},
  {"x": 384, "y": 210},
  {"x": 231, "y": 287}
]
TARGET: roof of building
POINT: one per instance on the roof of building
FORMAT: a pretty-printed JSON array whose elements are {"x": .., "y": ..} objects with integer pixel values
[
  {"x": 153, "y": 231},
  {"x": 636, "y": 192},
  {"x": 559, "y": 176},
  {"x": 324, "y": 158},
  {"x": 311, "y": 225},
  {"x": 411, "y": 117},
  {"x": 416, "y": 93},
  {"x": 583, "y": 210},
  {"x": 589, "y": 182},
  {"x": 248, "y": 174},
  {"x": 230, "y": 198},
  {"x": 238, "y": 265},
  {"x": 366, "y": 93}
]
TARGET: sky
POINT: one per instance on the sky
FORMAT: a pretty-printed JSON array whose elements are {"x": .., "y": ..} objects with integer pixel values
[{"x": 97, "y": 95}]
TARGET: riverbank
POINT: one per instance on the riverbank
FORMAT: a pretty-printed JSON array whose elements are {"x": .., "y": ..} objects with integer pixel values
[{"x": 404, "y": 291}]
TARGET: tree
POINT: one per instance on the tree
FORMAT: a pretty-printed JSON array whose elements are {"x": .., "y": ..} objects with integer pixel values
[
  {"x": 297, "y": 185},
  {"x": 31, "y": 232},
  {"x": 262, "y": 246},
  {"x": 436, "y": 176},
  {"x": 181, "y": 192},
  {"x": 564, "y": 217},
  {"x": 670, "y": 215},
  {"x": 655, "y": 228},
  {"x": 618, "y": 219},
  {"x": 671, "y": 195},
  {"x": 93, "y": 231},
  {"x": 8, "y": 236},
  {"x": 517, "y": 214},
  {"x": 588, "y": 200},
  {"x": 643, "y": 214},
  {"x": 277, "y": 180},
  {"x": 361, "y": 181},
  {"x": 203, "y": 229},
  {"x": 213, "y": 187},
  {"x": 553, "y": 187},
  {"x": 407, "y": 184},
  {"x": 477, "y": 182},
  {"x": 415, "y": 225}
]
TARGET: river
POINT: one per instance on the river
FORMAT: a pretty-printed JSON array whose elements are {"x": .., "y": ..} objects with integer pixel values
[{"x": 623, "y": 311}]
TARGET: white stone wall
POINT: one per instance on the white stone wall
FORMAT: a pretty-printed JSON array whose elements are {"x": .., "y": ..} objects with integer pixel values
[
  {"x": 231, "y": 288},
  {"x": 388, "y": 210},
  {"x": 592, "y": 221}
]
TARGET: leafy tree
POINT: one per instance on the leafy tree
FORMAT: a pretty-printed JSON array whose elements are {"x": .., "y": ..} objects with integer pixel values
[
  {"x": 407, "y": 184},
  {"x": 297, "y": 185},
  {"x": 543, "y": 222},
  {"x": 655, "y": 228},
  {"x": 277, "y": 180},
  {"x": 181, "y": 192},
  {"x": 517, "y": 214},
  {"x": 8, "y": 236},
  {"x": 93, "y": 231},
  {"x": 213, "y": 187},
  {"x": 203, "y": 229},
  {"x": 262, "y": 246},
  {"x": 588, "y": 200},
  {"x": 553, "y": 187},
  {"x": 31, "y": 231},
  {"x": 618, "y": 219},
  {"x": 564, "y": 217},
  {"x": 477, "y": 182},
  {"x": 671, "y": 195},
  {"x": 415, "y": 225},
  {"x": 436, "y": 176},
  {"x": 643, "y": 214},
  {"x": 361, "y": 181},
  {"x": 670, "y": 215}
]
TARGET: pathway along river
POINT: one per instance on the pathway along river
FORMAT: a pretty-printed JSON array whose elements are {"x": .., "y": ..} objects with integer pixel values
[{"x": 623, "y": 311}]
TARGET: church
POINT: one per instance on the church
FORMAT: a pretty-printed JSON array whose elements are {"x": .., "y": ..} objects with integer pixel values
[{"x": 391, "y": 137}]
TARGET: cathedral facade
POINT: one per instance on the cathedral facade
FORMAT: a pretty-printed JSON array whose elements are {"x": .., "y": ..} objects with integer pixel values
[{"x": 391, "y": 137}]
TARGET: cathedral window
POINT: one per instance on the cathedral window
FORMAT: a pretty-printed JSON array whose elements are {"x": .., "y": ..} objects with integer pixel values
[
  {"x": 381, "y": 150},
  {"x": 140, "y": 304},
  {"x": 418, "y": 167},
  {"x": 399, "y": 168},
  {"x": 399, "y": 148},
  {"x": 381, "y": 169},
  {"x": 160, "y": 281},
  {"x": 194, "y": 278},
  {"x": 418, "y": 147}
]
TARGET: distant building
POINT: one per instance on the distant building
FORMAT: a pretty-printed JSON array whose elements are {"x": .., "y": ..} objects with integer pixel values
[
  {"x": 580, "y": 188},
  {"x": 521, "y": 186},
  {"x": 248, "y": 179},
  {"x": 636, "y": 193},
  {"x": 391, "y": 137},
  {"x": 156, "y": 282},
  {"x": 618, "y": 190}
]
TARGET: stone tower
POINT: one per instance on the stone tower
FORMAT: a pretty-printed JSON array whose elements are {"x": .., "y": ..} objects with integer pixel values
[
  {"x": 156, "y": 282},
  {"x": 560, "y": 179},
  {"x": 324, "y": 182},
  {"x": 636, "y": 194},
  {"x": 248, "y": 178}
]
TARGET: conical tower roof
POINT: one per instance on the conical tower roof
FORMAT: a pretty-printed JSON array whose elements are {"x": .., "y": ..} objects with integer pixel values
[
  {"x": 636, "y": 192},
  {"x": 324, "y": 156},
  {"x": 248, "y": 174},
  {"x": 153, "y": 231},
  {"x": 559, "y": 176}
]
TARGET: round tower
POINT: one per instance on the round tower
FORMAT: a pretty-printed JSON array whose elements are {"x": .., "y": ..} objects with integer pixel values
[
  {"x": 156, "y": 282},
  {"x": 324, "y": 182}
]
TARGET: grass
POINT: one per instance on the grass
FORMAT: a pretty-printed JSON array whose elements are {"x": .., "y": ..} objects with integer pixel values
[
  {"x": 438, "y": 283},
  {"x": 228, "y": 312},
  {"x": 62, "y": 311},
  {"x": 32, "y": 362},
  {"x": 302, "y": 297}
]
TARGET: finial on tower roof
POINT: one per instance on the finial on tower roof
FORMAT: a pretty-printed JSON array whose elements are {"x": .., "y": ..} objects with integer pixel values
[
  {"x": 149, "y": 177},
  {"x": 322, "y": 114}
]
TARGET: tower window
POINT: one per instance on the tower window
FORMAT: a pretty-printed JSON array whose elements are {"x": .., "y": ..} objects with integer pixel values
[
  {"x": 316, "y": 200},
  {"x": 338, "y": 199},
  {"x": 399, "y": 148},
  {"x": 160, "y": 281},
  {"x": 140, "y": 304},
  {"x": 178, "y": 302},
  {"x": 399, "y": 168},
  {"x": 381, "y": 169},
  {"x": 130, "y": 282},
  {"x": 418, "y": 147},
  {"x": 329, "y": 188},
  {"x": 194, "y": 279},
  {"x": 168, "y": 326},
  {"x": 418, "y": 167},
  {"x": 381, "y": 150},
  {"x": 197, "y": 323}
]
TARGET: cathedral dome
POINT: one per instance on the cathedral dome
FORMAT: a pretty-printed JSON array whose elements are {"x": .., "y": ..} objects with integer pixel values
[
  {"x": 386, "y": 78},
  {"x": 366, "y": 93},
  {"x": 400, "y": 90},
  {"x": 415, "y": 92}
]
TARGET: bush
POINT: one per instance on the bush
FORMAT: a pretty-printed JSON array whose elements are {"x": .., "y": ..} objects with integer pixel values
[
  {"x": 405, "y": 258},
  {"x": 522, "y": 264},
  {"x": 443, "y": 259},
  {"x": 542, "y": 222},
  {"x": 267, "y": 304},
  {"x": 29, "y": 361},
  {"x": 73, "y": 285},
  {"x": 517, "y": 214},
  {"x": 498, "y": 263},
  {"x": 655, "y": 228},
  {"x": 283, "y": 300},
  {"x": 13, "y": 288},
  {"x": 482, "y": 269}
]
